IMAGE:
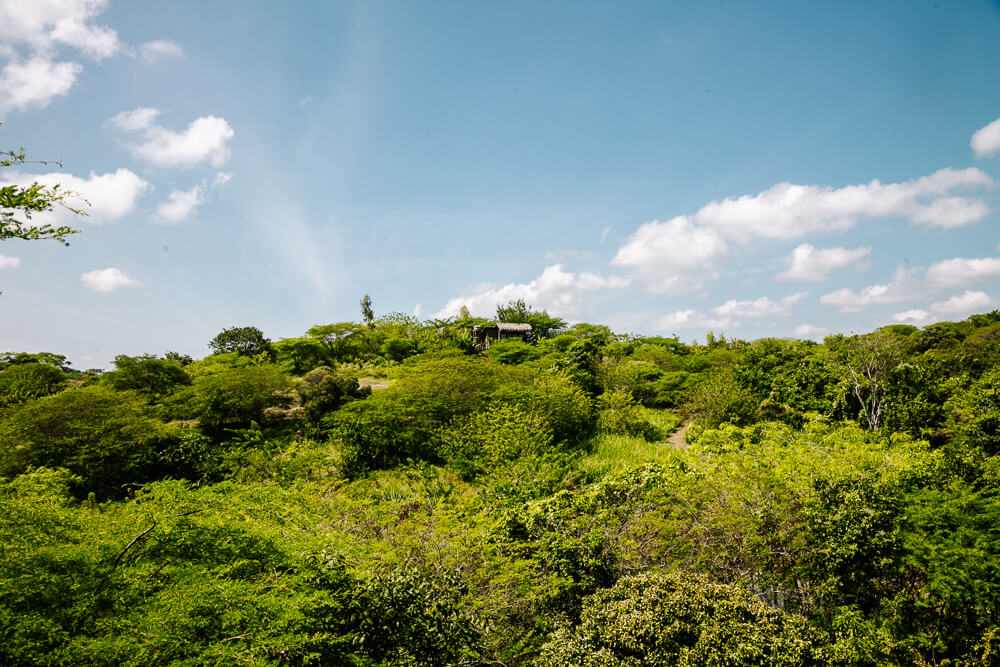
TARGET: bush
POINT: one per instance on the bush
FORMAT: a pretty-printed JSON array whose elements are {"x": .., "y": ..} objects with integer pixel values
[
  {"x": 680, "y": 619},
  {"x": 619, "y": 413},
  {"x": 23, "y": 382},
  {"x": 107, "y": 438},
  {"x": 494, "y": 437},
  {"x": 513, "y": 351}
]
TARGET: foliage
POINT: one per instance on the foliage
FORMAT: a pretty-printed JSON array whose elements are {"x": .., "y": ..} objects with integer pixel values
[
  {"x": 494, "y": 437},
  {"x": 542, "y": 323},
  {"x": 470, "y": 511},
  {"x": 108, "y": 439},
  {"x": 18, "y": 205},
  {"x": 677, "y": 618},
  {"x": 513, "y": 351},
  {"x": 367, "y": 314},
  {"x": 146, "y": 374},
  {"x": 231, "y": 398},
  {"x": 619, "y": 413},
  {"x": 245, "y": 341},
  {"x": 25, "y": 381}
]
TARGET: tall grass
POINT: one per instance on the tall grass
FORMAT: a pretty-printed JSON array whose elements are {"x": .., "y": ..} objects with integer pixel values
[{"x": 613, "y": 451}]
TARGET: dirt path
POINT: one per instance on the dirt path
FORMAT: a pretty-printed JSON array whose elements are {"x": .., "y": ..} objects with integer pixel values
[{"x": 676, "y": 439}]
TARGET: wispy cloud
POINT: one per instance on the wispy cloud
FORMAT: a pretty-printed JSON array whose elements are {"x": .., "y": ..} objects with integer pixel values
[{"x": 159, "y": 50}]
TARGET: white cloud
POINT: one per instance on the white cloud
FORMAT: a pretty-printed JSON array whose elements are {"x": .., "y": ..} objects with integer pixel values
[
  {"x": 810, "y": 332},
  {"x": 604, "y": 234},
  {"x": 35, "y": 83},
  {"x": 901, "y": 288},
  {"x": 762, "y": 307},
  {"x": 107, "y": 280},
  {"x": 181, "y": 204},
  {"x": 963, "y": 304},
  {"x": 556, "y": 290},
  {"x": 42, "y": 26},
  {"x": 681, "y": 254},
  {"x": 8, "y": 262},
  {"x": 159, "y": 50},
  {"x": 418, "y": 310},
  {"x": 788, "y": 211},
  {"x": 962, "y": 271},
  {"x": 206, "y": 139},
  {"x": 728, "y": 314},
  {"x": 809, "y": 263},
  {"x": 986, "y": 140},
  {"x": 671, "y": 256},
  {"x": 915, "y": 316},
  {"x": 111, "y": 196},
  {"x": 689, "y": 319}
]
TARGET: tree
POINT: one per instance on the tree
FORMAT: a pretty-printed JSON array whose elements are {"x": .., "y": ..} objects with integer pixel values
[
  {"x": 108, "y": 438},
  {"x": 868, "y": 361},
  {"x": 246, "y": 341},
  {"x": 22, "y": 382},
  {"x": 18, "y": 204},
  {"x": 367, "y": 314},
  {"x": 541, "y": 322},
  {"x": 679, "y": 618},
  {"x": 147, "y": 374}
]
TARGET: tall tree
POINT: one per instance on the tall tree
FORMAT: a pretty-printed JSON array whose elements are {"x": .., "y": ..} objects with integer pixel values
[{"x": 367, "y": 314}]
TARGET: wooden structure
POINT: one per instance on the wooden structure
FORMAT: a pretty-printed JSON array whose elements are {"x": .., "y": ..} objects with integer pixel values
[{"x": 484, "y": 336}]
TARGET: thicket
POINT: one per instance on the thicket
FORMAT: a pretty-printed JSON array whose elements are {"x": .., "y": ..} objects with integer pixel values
[{"x": 380, "y": 493}]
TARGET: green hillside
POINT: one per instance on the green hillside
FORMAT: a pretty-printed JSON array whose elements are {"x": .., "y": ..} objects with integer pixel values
[{"x": 388, "y": 493}]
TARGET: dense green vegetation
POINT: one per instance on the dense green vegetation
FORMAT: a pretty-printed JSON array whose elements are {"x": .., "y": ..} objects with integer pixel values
[{"x": 380, "y": 493}]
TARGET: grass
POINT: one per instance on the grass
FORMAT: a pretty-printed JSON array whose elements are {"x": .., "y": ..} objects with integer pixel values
[{"x": 613, "y": 451}]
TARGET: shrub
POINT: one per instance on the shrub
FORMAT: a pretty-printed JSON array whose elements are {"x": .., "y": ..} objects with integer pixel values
[{"x": 680, "y": 619}]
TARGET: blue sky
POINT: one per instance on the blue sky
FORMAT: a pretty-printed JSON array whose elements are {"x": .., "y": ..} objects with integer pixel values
[{"x": 755, "y": 169}]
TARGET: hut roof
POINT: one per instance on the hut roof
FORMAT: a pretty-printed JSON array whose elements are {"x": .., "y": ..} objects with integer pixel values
[{"x": 514, "y": 327}]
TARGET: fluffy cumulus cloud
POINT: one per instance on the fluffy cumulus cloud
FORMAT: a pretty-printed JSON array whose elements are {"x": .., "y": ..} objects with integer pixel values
[
  {"x": 107, "y": 280},
  {"x": 30, "y": 33},
  {"x": 762, "y": 307},
  {"x": 35, "y": 83},
  {"x": 903, "y": 287},
  {"x": 810, "y": 331},
  {"x": 671, "y": 256},
  {"x": 104, "y": 197},
  {"x": 689, "y": 319},
  {"x": 682, "y": 253},
  {"x": 159, "y": 50},
  {"x": 788, "y": 211},
  {"x": 963, "y": 304},
  {"x": 958, "y": 306},
  {"x": 986, "y": 140},
  {"x": 555, "y": 289},
  {"x": 181, "y": 204},
  {"x": 962, "y": 271},
  {"x": 729, "y": 314},
  {"x": 205, "y": 139},
  {"x": 915, "y": 316},
  {"x": 8, "y": 262},
  {"x": 810, "y": 263}
]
